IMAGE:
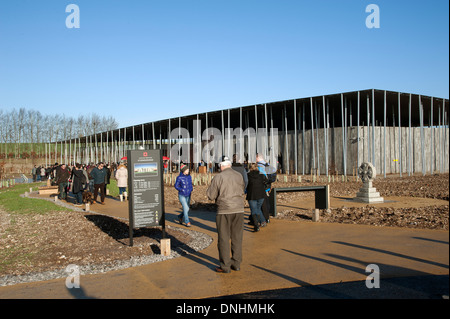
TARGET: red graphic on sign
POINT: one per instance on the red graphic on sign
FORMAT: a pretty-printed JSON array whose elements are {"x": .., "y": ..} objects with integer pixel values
[{"x": 145, "y": 154}]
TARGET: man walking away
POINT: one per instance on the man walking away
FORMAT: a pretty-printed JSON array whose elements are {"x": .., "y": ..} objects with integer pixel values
[{"x": 227, "y": 190}]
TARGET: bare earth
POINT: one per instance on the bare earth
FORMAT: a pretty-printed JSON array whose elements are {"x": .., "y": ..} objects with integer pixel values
[{"x": 37, "y": 243}]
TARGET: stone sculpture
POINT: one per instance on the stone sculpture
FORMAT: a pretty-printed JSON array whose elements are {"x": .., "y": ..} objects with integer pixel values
[{"x": 368, "y": 193}]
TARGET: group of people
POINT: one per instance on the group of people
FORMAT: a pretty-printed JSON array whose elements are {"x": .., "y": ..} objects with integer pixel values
[
  {"x": 92, "y": 178},
  {"x": 227, "y": 189}
]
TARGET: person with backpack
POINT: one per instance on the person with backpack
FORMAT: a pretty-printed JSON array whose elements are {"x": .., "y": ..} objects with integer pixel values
[
  {"x": 270, "y": 173},
  {"x": 256, "y": 193},
  {"x": 183, "y": 185}
]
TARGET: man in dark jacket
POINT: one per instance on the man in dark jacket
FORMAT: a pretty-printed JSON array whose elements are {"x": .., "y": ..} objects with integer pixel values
[
  {"x": 99, "y": 174},
  {"x": 62, "y": 180},
  {"x": 227, "y": 190},
  {"x": 78, "y": 180},
  {"x": 238, "y": 167}
]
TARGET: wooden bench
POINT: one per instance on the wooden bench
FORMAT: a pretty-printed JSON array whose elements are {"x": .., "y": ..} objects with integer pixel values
[
  {"x": 48, "y": 190},
  {"x": 321, "y": 194}
]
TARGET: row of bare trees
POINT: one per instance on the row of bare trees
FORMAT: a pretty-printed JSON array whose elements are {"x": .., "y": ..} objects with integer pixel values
[{"x": 22, "y": 130}]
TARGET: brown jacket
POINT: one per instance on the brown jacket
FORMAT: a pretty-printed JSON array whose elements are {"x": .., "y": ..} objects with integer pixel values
[{"x": 227, "y": 189}]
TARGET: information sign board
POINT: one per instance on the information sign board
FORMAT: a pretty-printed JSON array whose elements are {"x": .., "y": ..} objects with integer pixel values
[{"x": 146, "y": 189}]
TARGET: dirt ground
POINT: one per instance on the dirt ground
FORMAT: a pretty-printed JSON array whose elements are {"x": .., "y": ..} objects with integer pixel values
[
  {"x": 51, "y": 241},
  {"x": 411, "y": 201},
  {"x": 36, "y": 243}
]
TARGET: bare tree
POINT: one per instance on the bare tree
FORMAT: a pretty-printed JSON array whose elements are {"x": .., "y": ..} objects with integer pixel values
[{"x": 29, "y": 126}]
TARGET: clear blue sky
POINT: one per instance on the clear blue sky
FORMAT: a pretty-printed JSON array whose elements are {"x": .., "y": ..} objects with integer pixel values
[{"x": 146, "y": 60}]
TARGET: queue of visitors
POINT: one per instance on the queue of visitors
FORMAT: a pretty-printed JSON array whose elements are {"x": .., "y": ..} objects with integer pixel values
[{"x": 80, "y": 178}]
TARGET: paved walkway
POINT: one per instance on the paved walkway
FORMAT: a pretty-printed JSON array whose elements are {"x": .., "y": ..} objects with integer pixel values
[{"x": 285, "y": 255}]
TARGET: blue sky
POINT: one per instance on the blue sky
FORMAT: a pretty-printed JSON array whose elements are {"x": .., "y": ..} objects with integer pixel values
[{"x": 146, "y": 60}]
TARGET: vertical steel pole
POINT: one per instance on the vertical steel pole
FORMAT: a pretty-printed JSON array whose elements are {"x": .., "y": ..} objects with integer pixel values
[
  {"x": 328, "y": 127},
  {"x": 256, "y": 129},
  {"x": 303, "y": 139},
  {"x": 241, "y": 141},
  {"x": 409, "y": 138},
  {"x": 178, "y": 137},
  {"x": 295, "y": 137},
  {"x": 325, "y": 133},
  {"x": 422, "y": 135},
  {"x": 169, "y": 146},
  {"x": 316, "y": 116},
  {"x": 134, "y": 140},
  {"x": 399, "y": 136},
  {"x": 312, "y": 136},
  {"x": 343, "y": 135},
  {"x": 223, "y": 134},
  {"x": 266, "y": 147},
  {"x": 229, "y": 152},
  {"x": 272, "y": 146},
  {"x": 369, "y": 153},
  {"x": 143, "y": 135},
  {"x": 153, "y": 135},
  {"x": 286, "y": 140},
  {"x": 432, "y": 139},
  {"x": 440, "y": 140},
  {"x": 384, "y": 147},
  {"x": 207, "y": 141},
  {"x": 357, "y": 130},
  {"x": 373, "y": 128}
]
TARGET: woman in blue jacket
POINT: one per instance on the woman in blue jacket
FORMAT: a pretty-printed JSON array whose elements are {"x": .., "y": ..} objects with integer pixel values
[{"x": 183, "y": 185}]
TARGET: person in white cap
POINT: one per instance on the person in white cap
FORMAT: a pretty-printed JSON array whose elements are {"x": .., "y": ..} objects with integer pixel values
[{"x": 227, "y": 190}]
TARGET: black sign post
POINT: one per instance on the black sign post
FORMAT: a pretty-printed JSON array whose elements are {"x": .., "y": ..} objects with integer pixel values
[{"x": 146, "y": 190}]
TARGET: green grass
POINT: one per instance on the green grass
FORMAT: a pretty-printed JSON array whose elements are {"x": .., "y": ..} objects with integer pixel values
[
  {"x": 113, "y": 189},
  {"x": 11, "y": 201}
]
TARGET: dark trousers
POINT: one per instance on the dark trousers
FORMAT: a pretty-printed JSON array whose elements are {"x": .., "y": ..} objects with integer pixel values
[
  {"x": 266, "y": 208},
  {"x": 63, "y": 190},
  {"x": 230, "y": 227},
  {"x": 100, "y": 187},
  {"x": 79, "y": 197}
]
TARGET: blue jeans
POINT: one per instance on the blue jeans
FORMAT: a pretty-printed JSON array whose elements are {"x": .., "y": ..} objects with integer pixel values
[
  {"x": 185, "y": 202},
  {"x": 79, "y": 197},
  {"x": 122, "y": 190},
  {"x": 255, "y": 208}
]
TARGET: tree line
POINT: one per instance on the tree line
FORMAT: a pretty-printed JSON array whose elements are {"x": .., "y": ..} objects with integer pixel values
[{"x": 23, "y": 132}]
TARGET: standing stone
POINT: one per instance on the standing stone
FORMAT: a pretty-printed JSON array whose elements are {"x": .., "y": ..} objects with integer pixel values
[{"x": 368, "y": 193}]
